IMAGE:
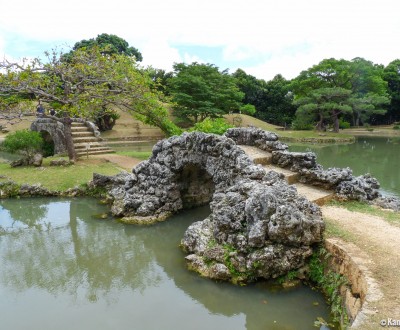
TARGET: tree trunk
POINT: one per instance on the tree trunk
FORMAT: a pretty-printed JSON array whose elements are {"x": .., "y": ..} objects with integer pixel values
[
  {"x": 335, "y": 115},
  {"x": 320, "y": 124},
  {"x": 68, "y": 138}
]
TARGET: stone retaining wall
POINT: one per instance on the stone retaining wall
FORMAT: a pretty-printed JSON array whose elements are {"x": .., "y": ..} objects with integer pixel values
[{"x": 348, "y": 260}]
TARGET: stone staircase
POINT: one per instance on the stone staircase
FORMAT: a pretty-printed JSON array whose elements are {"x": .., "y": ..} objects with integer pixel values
[
  {"x": 85, "y": 142},
  {"x": 314, "y": 194}
]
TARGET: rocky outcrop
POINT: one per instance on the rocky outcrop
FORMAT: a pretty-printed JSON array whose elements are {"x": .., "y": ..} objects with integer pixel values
[
  {"x": 256, "y": 229},
  {"x": 259, "y": 227},
  {"x": 257, "y": 137}
]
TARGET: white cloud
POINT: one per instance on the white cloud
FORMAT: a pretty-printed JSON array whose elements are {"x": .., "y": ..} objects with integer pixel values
[{"x": 284, "y": 36}]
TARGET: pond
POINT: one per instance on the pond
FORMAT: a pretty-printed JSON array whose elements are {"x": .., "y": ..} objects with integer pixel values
[
  {"x": 378, "y": 156},
  {"x": 65, "y": 267}
]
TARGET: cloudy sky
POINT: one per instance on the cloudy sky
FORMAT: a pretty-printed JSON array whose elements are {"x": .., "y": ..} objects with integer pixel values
[{"x": 263, "y": 37}]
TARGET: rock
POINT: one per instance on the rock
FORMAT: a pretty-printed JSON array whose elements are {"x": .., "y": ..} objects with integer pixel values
[
  {"x": 387, "y": 202},
  {"x": 362, "y": 188},
  {"x": 294, "y": 160},
  {"x": 257, "y": 137},
  {"x": 36, "y": 160},
  {"x": 60, "y": 162}
]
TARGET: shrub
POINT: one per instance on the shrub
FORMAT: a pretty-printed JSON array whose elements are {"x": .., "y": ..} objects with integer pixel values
[
  {"x": 216, "y": 126},
  {"x": 24, "y": 141},
  {"x": 248, "y": 109},
  {"x": 343, "y": 124},
  {"x": 302, "y": 124},
  {"x": 396, "y": 127}
]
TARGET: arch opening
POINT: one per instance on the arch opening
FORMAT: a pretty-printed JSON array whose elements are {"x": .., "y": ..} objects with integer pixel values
[
  {"x": 48, "y": 144},
  {"x": 195, "y": 185}
]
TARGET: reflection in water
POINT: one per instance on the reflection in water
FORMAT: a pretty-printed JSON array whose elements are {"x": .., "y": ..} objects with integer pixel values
[
  {"x": 64, "y": 269},
  {"x": 378, "y": 156}
]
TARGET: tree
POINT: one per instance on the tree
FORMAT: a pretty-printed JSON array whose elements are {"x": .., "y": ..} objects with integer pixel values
[
  {"x": 325, "y": 103},
  {"x": 109, "y": 44},
  {"x": 366, "y": 106},
  {"x": 391, "y": 74},
  {"x": 272, "y": 99},
  {"x": 362, "y": 78},
  {"x": 200, "y": 91},
  {"x": 369, "y": 90},
  {"x": 86, "y": 83}
]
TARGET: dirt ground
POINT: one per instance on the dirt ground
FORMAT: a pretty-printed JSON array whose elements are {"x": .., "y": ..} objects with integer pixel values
[
  {"x": 381, "y": 242},
  {"x": 125, "y": 162}
]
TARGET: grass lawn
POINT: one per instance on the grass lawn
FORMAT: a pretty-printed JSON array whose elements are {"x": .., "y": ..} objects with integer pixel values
[
  {"x": 58, "y": 177},
  {"x": 290, "y": 135},
  {"x": 142, "y": 155}
]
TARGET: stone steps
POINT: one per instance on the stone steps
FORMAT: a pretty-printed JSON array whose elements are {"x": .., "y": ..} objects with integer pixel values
[
  {"x": 81, "y": 134},
  {"x": 258, "y": 156},
  {"x": 86, "y": 143},
  {"x": 314, "y": 194},
  {"x": 290, "y": 177}
]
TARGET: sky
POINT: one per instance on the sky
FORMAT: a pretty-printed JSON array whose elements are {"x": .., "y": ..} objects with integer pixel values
[{"x": 262, "y": 37}]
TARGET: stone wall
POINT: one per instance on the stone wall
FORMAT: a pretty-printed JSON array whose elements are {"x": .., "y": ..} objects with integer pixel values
[{"x": 348, "y": 260}]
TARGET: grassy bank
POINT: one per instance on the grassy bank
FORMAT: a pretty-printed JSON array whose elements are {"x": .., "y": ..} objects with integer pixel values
[{"x": 58, "y": 177}]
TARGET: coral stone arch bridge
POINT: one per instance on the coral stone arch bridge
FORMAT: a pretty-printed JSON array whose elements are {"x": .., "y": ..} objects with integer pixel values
[{"x": 260, "y": 226}]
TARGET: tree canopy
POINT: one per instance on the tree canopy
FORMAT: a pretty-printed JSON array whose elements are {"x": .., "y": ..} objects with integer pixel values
[
  {"x": 391, "y": 74},
  {"x": 200, "y": 91},
  {"x": 361, "y": 78},
  {"x": 109, "y": 44},
  {"x": 86, "y": 83}
]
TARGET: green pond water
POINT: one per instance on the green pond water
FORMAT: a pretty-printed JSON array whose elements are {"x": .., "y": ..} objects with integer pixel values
[
  {"x": 375, "y": 155},
  {"x": 63, "y": 267}
]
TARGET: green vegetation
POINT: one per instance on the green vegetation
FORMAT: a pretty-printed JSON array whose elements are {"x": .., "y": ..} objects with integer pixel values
[
  {"x": 201, "y": 91},
  {"x": 361, "y": 207},
  {"x": 143, "y": 155},
  {"x": 109, "y": 44},
  {"x": 58, "y": 177},
  {"x": 272, "y": 100},
  {"x": 330, "y": 283},
  {"x": 216, "y": 126},
  {"x": 24, "y": 141},
  {"x": 354, "y": 90}
]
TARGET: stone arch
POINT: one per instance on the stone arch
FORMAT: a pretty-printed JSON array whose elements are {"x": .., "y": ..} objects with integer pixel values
[
  {"x": 156, "y": 189},
  {"x": 53, "y": 128}
]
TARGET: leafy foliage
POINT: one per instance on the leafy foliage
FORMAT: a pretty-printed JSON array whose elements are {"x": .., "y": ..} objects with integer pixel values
[
  {"x": 391, "y": 75},
  {"x": 88, "y": 82},
  {"x": 272, "y": 99},
  {"x": 329, "y": 282},
  {"x": 109, "y": 44},
  {"x": 24, "y": 141},
  {"x": 216, "y": 126},
  {"x": 363, "y": 80},
  {"x": 201, "y": 90}
]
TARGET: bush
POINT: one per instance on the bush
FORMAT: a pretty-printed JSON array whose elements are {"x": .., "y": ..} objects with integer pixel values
[
  {"x": 248, "y": 109},
  {"x": 396, "y": 127},
  {"x": 216, "y": 126},
  {"x": 343, "y": 124},
  {"x": 24, "y": 141},
  {"x": 302, "y": 124}
]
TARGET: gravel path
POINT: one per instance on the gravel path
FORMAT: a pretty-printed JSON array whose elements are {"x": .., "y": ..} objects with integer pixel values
[{"x": 381, "y": 242}]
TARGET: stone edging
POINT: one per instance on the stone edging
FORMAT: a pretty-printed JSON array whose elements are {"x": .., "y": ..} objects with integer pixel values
[{"x": 350, "y": 261}]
